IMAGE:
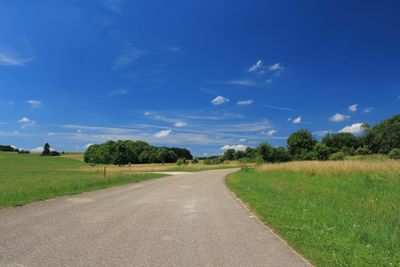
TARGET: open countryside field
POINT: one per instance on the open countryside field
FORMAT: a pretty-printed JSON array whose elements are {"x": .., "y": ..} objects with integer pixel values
[
  {"x": 26, "y": 178},
  {"x": 343, "y": 213}
]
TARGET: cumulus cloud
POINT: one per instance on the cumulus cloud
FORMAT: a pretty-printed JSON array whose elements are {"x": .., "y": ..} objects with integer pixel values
[
  {"x": 256, "y": 67},
  {"x": 276, "y": 67},
  {"x": 219, "y": 100},
  {"x": 368, "y": 110},
  {"x": 180, "y": 124},
  {"x": 354, "y": 128},
  {"x": 271, "y": 132},
  {"x": 39, "y": 149},
  {"x": 339, "y": 117},
  {"x": 245, "y": 102},
  {"x": 163, "y": 133},
  {"x": 34, "y": 103},
  {"x": 235, "y": 147},
  {"x": 26, "y": 122},
  {"x": 88, "y": 145},
  {"x": 242, "y": 140},
  {"x": 353, "y": 108},
  {"x": 297, "y": 120}
]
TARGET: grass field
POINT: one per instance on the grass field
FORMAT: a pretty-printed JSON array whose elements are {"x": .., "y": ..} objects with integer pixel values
[
  {"x": 28, "y": 177},
  {"x": 334, "y": 213}
]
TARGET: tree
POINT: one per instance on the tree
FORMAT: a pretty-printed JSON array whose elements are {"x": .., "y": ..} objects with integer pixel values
[
  {"x": 384, "y": 136},
  {"x": 321, "y": 151},
  {"x": 301, "y": 143},
  {"x": 341, "y": 140},
  {"x": 229, "y": 154},
  {"x": 265, "y": 150},
  {"x": 280, "y": 154},
  {"x": 46, "y": 150}
]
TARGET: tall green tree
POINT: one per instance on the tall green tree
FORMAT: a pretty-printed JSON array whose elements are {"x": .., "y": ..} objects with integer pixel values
[{"x": 301, "y": 143}]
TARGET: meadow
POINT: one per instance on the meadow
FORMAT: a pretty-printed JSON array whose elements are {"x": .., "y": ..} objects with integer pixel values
[
  {"x": 26, "y": 178},
  {"x": 343, "y": 213}
]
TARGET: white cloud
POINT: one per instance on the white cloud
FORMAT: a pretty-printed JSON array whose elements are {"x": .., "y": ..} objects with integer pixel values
[
  {"x": 79, "y": 131},
  {"x": 276, "y": 67},
  {"x": 39, "y": 149},
  {"x": 242, "y": 140},
  {"x": 243, "y": 82},
  {"x": 256, "y": 67},
  {"x": 339, "y": 117},
  {"x": 10, "y": 58},
  {"x": 87, "y": 145},
  {"x": 26, "y": 122},
  {"x": 163, "y": 133},
  {"x": 129, "y": 55},
  {"x": 353, "y": 108},
  {"x": 368, "y": 110},
  {"x": 354, "y": 128},
  {"x": 118, "y": 92},
  {"x": 235, "y": 147},
  {"x": 245, "y": 102},
  {"x": 180, "y": 124},
  {"x": 271, "y": 132},
  {"x": 268, "y": 81},
  {"x": 219, "y": 100},
  {"x": 321, "y": 133},
  {"x": 34, "y": 103},
  {"x": 278, "y": 108},
  {"x": 51, "y": 134},
  {"x": 146, "y": 113},
  {"x": 297, "y": 120}
]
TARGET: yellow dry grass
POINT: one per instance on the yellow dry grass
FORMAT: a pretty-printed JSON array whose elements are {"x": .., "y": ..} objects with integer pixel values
[
  {"x": 157, "y": 167},
  {"x": 390, "y": 166}
]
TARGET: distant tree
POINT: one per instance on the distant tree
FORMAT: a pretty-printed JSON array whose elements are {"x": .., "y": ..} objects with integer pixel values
[
  {"x": 384, "y": 136},
  {"x": 265, "y": 151},
  {"x": 363, "y": 150},
  {"x": 144, "y": 157},
  {"x": 239, "y": 154},
  {"x": 321, "y": 151},
  {"x": 280, "y": 154},
  {"x": 301, "y": 144},
  {"x": 46, "y": 150},
  {"x": 8, "y": 148},
  {"x": 340, "y": 140},
  {"x": 195, "y": 160},
  {"x": 229, "y": 154}
]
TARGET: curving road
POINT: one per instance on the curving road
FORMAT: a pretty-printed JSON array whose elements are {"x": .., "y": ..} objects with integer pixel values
[{"x": 184, "y": 220}]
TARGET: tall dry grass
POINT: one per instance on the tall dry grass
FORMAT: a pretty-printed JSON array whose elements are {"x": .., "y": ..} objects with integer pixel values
[{"x": 387, "y": 166}]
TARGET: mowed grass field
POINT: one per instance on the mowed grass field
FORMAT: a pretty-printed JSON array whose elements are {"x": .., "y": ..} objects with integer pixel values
[
  {"x": 26, "y": 178},
  {"x": 334, "y": 213}
]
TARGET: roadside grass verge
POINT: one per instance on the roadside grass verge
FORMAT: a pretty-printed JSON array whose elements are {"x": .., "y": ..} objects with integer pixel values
[
  {"x": 28, "y": 178},
  {"x": 334, "y": 213}
]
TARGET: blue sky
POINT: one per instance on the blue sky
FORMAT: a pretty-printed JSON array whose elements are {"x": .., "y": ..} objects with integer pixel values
[{"x": 205, "y": 75}]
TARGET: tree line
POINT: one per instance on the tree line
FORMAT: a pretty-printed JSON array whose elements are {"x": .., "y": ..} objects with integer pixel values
[
  {"x": 383, "y": 138},
  {"x": 127, "y": 151}
]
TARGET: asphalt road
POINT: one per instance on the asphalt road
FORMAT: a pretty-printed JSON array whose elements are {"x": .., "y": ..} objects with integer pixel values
[{"x": 184, "y": 220}]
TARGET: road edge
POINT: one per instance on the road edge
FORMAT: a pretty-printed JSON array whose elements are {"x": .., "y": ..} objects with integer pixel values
[{"x": 254, "y": 215}]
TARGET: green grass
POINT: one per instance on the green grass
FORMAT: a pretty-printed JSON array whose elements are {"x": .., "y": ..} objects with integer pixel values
[
  {"x": 338, "y": 218},
  {"x": 29, "y": 177}
]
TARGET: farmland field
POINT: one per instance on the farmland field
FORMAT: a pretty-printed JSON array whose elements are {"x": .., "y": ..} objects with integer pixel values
[
  {"x": 29, "y": 177},
  {"x": 334, "y": 213}
]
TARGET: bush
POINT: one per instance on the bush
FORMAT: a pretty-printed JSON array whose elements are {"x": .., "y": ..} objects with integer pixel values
[
  {"x": 195, "y": 161},
  {"x": 337, "y": 156},
  {"x": 394, "y": 153},
  {"x": 321, "y": 151},
  {"x": 180, "y": 162},
  {"x": 364, "y": 150}
]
